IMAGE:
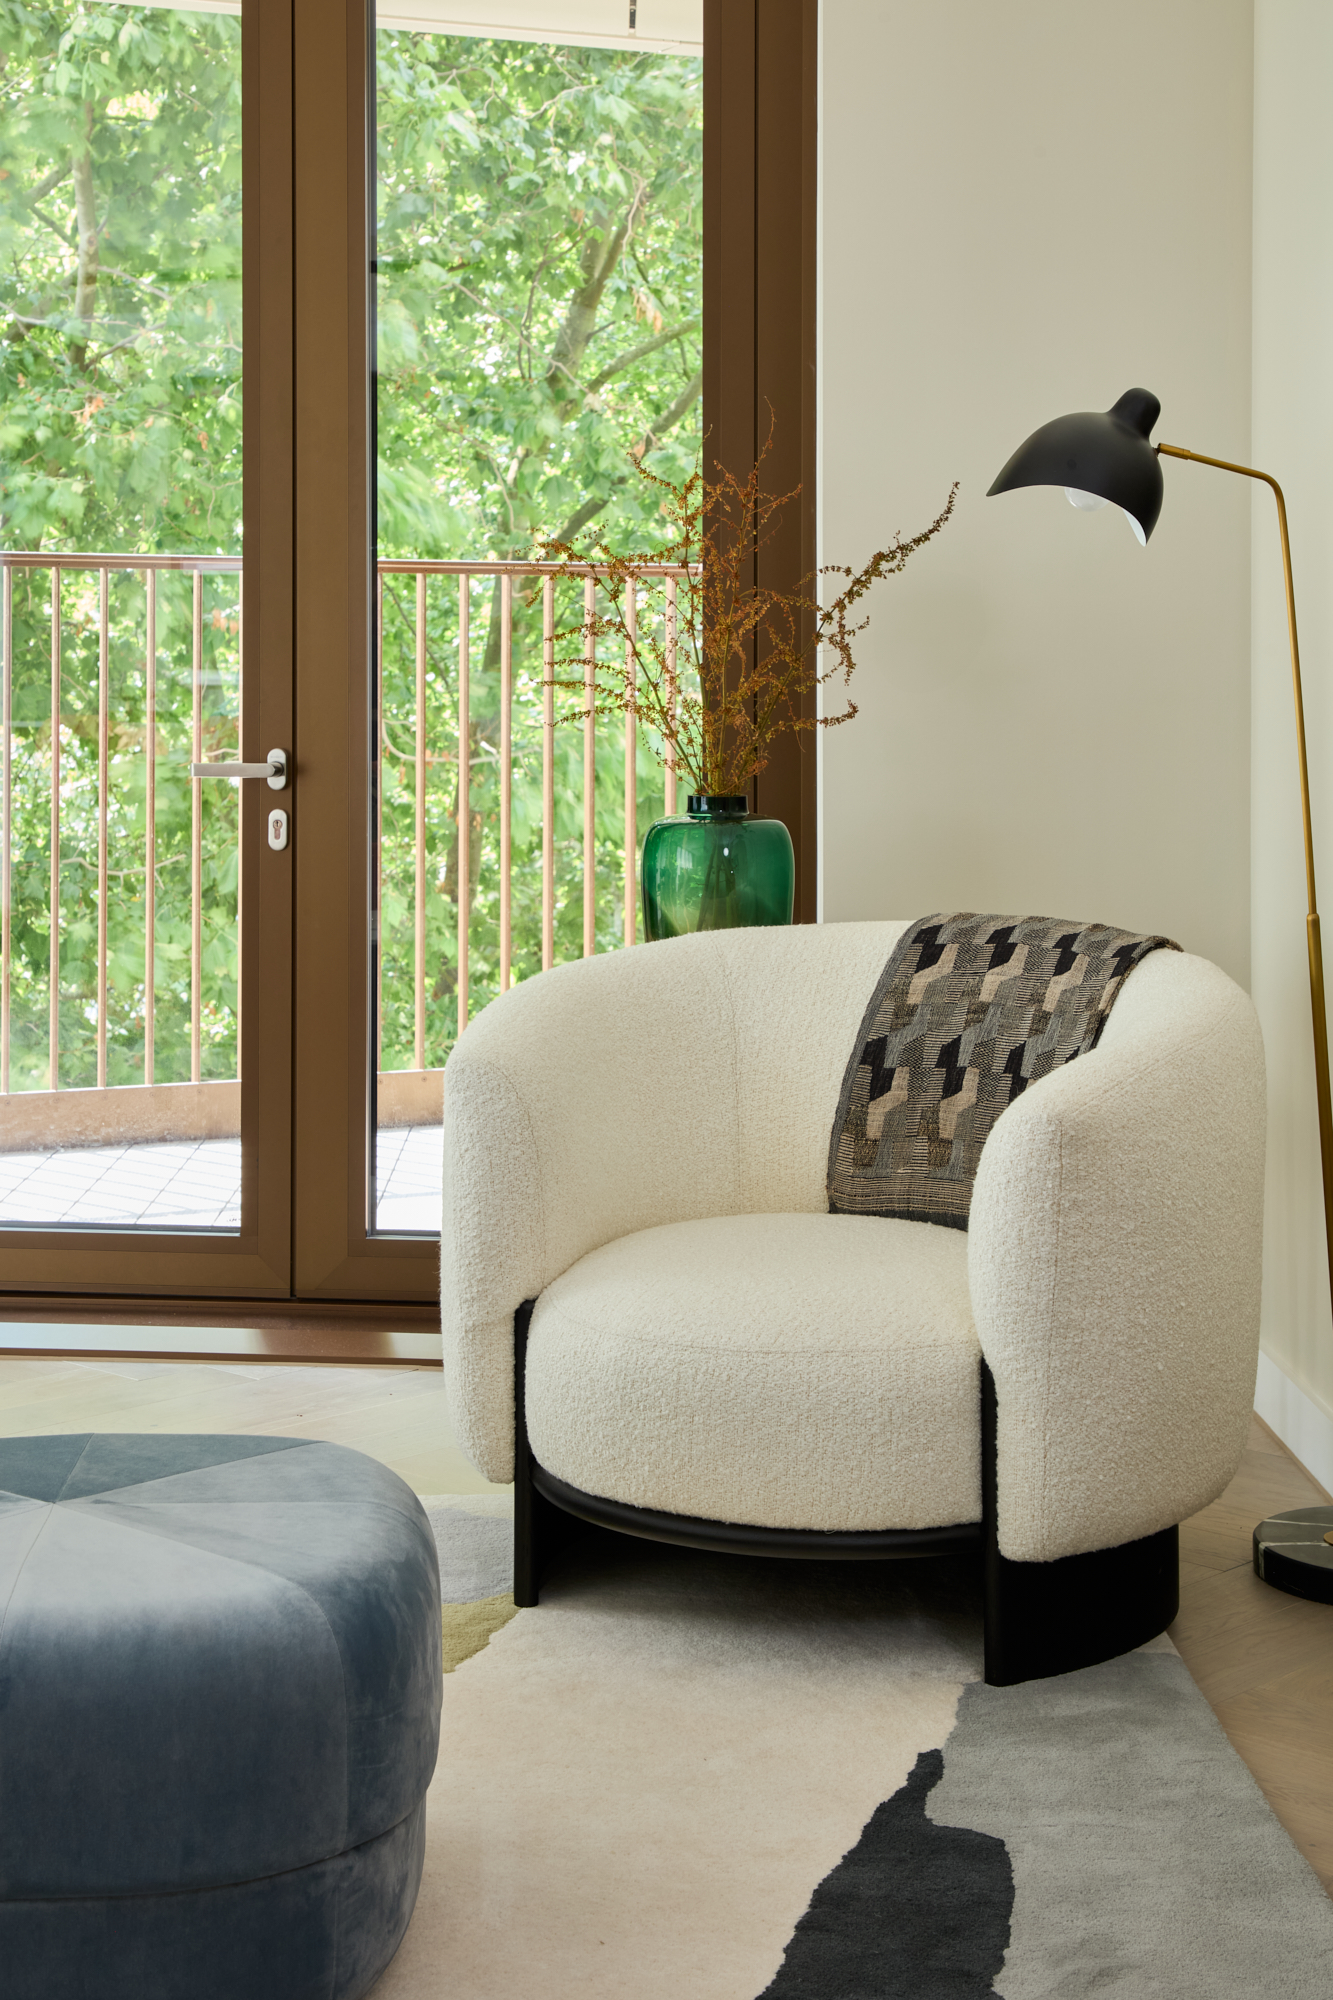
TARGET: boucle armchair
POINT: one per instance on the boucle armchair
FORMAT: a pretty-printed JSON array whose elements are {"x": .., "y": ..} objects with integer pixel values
[{"x": 652, "y": 1322}]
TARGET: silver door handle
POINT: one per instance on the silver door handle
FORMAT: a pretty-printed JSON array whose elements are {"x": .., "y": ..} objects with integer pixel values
[{"x": 275, "y": 770}]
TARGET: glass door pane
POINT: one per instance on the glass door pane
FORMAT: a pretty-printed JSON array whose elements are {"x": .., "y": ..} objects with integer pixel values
[
  {"x": 539, "y": 276},
  {"x": 121, "y": 413}
]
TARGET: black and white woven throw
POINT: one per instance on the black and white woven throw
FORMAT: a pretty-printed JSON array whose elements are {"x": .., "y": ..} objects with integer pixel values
[{"x": 967, "y": 1013}]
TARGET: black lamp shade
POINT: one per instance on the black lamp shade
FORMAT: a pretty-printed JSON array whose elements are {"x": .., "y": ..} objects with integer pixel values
[{"x": 1102, "y": 452}]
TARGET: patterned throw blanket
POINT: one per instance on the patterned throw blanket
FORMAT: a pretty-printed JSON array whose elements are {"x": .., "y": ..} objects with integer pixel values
[{"x": 966, "y": 1014}]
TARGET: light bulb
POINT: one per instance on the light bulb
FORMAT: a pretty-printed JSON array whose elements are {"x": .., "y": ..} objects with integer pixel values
[{"x": 1088, "y": 503}]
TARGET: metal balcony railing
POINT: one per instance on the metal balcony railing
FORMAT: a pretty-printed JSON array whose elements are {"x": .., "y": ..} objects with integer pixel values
[
  {"x": 118, "y": 671},
  {"x": 506, "y": 575}
]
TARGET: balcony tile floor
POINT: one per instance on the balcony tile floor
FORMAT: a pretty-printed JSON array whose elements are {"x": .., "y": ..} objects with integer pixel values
[{"x": 195, "y": 1184}]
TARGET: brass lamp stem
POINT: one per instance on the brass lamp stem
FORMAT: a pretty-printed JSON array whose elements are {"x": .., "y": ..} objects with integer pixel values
[{"x": 1321, "y": 1075}]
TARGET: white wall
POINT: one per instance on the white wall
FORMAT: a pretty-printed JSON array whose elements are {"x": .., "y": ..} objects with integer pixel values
[
  {"x": 1028, "y": 206},
  {"x": 1293, "y": 439}
]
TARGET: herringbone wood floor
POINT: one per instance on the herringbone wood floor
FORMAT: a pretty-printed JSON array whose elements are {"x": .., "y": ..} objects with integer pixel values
[{"x": 1264, "y": 1660}]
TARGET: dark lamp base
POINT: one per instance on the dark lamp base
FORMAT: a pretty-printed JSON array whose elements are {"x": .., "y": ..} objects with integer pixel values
[{"x": 1292, "y": 1552}]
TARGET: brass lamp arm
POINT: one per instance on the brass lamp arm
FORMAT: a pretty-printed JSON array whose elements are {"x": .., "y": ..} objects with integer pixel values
[
  {"x": 1322, "y": 1091},
  {"x": 1249, "y": 472}
]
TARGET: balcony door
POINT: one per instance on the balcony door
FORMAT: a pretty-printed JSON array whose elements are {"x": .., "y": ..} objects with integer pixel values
[{"x": 184, "y": 563}]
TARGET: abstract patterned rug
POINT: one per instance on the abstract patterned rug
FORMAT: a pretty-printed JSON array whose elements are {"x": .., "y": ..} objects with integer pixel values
[{"x": 696, "y": 1777}]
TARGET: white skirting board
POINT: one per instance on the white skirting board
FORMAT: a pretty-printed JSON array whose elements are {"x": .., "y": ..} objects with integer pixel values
[{"x": 1303, "y": 1426}]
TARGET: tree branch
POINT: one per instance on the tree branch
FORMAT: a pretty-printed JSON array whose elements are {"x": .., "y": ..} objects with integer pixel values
[
  {"x": 633, "y": 354},
  {"x": 129, "y": 278},
  {"x": 670, "y": 417},
  {"x": 104, "y": 353},
  {"x": 46, "y": 183},
  {"x": 590, "y": 509},
  {"x": 668, "y": 420},
  {"x": 576, "y": 330},
  {"x": 53, "y": 225}
]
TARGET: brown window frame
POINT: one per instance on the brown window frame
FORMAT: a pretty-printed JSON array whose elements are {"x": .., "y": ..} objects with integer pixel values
[{"x": 760, "y": 161}]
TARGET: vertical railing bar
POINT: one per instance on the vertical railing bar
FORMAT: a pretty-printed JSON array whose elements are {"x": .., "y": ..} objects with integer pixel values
[
  {"x": 53, "y": 996},
  {"x": 150, "y": 827},
  {"x": 589, "y": 768},
  {"x": 197, "y": 831},
  {"x": 6, "y": 815},
  {"x": 379, "y": 821},
  {"x": 419, "y": 908},
  {"x": 506, "y": 776},
  {"x": 464, "y": 789},
  {"x": 631, "y": 772},
  {"x": 103, "y": 780},
  {"x": 669, "y": 801},
  {"x": 548, "y": 773}
]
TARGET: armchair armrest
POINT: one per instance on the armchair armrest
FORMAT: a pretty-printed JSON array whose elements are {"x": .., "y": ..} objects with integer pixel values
[
  {"x": 682, "y": 1079},
  {"x": 596, "y": 1100},
  {"x": 1114, "y": 1262}
]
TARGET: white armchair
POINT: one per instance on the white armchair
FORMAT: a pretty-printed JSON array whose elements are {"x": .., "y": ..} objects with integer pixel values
[{"x": 635, "y": 1158}]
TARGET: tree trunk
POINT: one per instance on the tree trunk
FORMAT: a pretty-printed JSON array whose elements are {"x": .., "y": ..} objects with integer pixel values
[{"x": 599, "y": 260}]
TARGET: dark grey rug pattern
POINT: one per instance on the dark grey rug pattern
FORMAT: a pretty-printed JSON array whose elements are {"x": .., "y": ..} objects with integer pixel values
[
  {"x": 914, "y": 1909},
  {"x": 1089, "y": 1837}
]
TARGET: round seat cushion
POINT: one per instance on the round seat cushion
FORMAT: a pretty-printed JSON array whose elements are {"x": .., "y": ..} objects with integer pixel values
[
  {"x": 785, "y": 1371},
  {"x": 220, "y": 1693}
]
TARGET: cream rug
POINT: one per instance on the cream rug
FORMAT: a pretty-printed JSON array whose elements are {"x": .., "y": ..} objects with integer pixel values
[{"x": 688, "y": 1777}]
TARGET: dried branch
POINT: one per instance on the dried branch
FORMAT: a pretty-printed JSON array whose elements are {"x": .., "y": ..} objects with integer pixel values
[{"x": 754, "y": 651}]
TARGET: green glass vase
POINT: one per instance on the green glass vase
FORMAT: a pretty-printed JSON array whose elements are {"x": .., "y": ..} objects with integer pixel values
[{"x": 714, "y": 869}]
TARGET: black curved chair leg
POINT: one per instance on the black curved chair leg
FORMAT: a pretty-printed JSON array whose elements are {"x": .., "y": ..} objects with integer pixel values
[
  {"x": 1053, "y": 1617},
  {"x": 540, "y": 1529}
]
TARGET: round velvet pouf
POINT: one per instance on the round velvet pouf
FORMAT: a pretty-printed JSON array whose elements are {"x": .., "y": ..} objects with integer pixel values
[{"x": 219, "y": 1712}]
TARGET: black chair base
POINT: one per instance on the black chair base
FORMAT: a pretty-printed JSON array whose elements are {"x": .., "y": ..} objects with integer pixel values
[{"x": 1039, "y": 1618}]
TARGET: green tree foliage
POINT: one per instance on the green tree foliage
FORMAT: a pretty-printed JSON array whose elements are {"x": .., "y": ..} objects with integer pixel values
[{"x": 120, "y": 244}]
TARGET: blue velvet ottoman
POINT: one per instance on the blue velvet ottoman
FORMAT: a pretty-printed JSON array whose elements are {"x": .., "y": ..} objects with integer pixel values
[{"x": 219, "y": 1712}]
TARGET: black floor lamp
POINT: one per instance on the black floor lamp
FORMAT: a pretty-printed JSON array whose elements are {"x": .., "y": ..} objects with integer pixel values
[{"x": 1102, "y": 456}]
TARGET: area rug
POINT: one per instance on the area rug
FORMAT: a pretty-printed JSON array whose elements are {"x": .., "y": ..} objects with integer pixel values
[{"x": 715, "y": 1778}]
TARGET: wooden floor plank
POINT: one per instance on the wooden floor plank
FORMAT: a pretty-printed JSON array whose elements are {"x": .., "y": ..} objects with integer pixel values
[
  {"x": 1217, "y": 1539},
  {"x": 1263, "y": 1660},
  {"x": 1270, "y": 1441},
  {"x": 1236, "y": 1633},
  {"x": 1262, "y": 1439},
  {"x": 1296, "y": 1780}
]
